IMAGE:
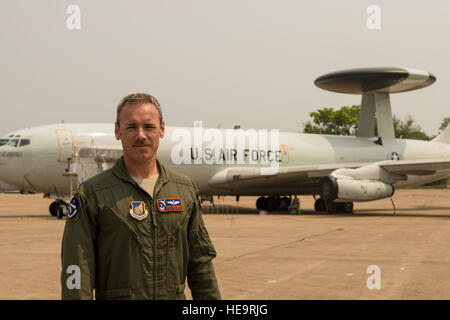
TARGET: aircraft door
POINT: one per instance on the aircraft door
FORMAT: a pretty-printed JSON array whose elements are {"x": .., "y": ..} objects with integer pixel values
[{"x": 65, "y": 144}]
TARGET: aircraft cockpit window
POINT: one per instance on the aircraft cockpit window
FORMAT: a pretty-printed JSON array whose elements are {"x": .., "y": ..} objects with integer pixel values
[
  {"x": 24, "y": 142},
  {"x": 3, "y": 142},
  {"x": 13, "y": 143}
]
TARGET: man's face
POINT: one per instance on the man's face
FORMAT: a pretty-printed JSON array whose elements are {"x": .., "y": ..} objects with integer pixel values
[{"x": 139, "y": 131}]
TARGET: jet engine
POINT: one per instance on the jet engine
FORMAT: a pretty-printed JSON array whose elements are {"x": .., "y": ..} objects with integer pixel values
[
  {"x": 348, "y": 189},
  {"x": 366, "y": 183}
]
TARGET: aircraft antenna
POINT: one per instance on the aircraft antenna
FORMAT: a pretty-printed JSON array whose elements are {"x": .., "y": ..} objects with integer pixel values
[{"x": 375, "y": 85}]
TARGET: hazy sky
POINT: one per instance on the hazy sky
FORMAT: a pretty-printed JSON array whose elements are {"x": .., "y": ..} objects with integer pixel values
[{"x": 230, "y": 62}]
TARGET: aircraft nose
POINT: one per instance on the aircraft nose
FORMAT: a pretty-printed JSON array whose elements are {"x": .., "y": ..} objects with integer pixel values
[
  {"x": 10, "y": 162},
  {"x": 5, "y": 186},
  {"x": 2, "y": 163}
]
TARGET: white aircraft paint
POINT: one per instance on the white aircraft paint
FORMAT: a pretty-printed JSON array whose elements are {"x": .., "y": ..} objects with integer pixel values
[{"x": 41, "y": 165}]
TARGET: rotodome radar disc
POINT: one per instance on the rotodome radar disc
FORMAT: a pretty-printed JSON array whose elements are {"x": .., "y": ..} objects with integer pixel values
[{"x": 369, "y": 80}]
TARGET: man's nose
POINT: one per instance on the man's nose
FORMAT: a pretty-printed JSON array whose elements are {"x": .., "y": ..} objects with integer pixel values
[{"x": 141, "y": 133}]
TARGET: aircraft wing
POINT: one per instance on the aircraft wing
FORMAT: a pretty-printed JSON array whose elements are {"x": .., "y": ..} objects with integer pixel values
[
  {"x": 275, "y": 177},
  {"x": 308, "y": 176},
  {"x": 416, "y": 167}
]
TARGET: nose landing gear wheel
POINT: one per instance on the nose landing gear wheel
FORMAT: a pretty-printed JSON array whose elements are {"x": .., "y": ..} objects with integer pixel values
[
  {"x": 62, "y": 211},
  {"x": 58, "y": 208}
]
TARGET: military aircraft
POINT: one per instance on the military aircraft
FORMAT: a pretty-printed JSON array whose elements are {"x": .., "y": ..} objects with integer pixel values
[{"x": 339, "y": 170}]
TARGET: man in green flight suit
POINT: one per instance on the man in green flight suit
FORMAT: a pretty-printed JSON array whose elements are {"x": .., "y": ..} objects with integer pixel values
[{"x": 136, "y": 231}]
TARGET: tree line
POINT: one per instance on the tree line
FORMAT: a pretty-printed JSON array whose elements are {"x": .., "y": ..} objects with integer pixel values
[{"x": 344, "y": 121}]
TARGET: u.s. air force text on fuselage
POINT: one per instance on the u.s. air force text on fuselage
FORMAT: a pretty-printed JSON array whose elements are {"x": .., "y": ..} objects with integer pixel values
[{"x": 234, "y": 155}]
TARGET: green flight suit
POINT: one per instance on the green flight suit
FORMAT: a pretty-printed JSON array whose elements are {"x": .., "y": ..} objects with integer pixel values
[{"x": 118, "y": 242}]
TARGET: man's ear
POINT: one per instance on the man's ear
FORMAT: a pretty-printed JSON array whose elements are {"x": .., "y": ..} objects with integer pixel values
[
  {"x": 163, "y": 129},
  {"x": 117, "y": 131}
]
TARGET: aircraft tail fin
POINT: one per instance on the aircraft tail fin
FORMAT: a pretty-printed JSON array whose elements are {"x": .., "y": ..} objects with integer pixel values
[{"x": 444, "y": 136}]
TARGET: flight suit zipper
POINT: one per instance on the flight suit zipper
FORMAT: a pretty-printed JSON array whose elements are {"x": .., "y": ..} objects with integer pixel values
[
  {"x": 155, "y": 273},
  {"x": 156, "y": 190},
  {"x": 152, "y": 219},
  {"x": 155, "y": 225}
]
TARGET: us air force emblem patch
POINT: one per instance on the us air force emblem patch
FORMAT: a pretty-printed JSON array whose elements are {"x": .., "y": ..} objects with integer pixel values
[
  {"x": 171, "y": 204},
  {"x": 73, "y": 208},
  {"x": 138, "y": 210}
]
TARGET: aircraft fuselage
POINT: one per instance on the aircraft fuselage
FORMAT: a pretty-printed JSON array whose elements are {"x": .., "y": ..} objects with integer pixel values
[{"x": 41, "y": 164}]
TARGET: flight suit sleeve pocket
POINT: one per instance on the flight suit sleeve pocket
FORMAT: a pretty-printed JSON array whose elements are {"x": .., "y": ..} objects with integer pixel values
[
  {"x": 180, "y": 288},
  {"x": 115, "y": 294},
  {"x": 202, "y": 249},
  {"x": 180, "y": 292}
]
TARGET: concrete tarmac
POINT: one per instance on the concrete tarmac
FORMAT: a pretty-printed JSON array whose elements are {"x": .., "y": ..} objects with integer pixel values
[{"x": 272, "y": 256}]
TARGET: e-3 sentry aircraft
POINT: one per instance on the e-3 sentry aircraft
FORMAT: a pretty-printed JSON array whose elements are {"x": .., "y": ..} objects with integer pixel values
[{"x": 55, "y": 159}]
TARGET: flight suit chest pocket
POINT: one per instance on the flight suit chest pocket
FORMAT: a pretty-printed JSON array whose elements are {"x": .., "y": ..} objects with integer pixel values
[
  {"x": 171, "y": 213},
  {"x": 112, "y": 218}
]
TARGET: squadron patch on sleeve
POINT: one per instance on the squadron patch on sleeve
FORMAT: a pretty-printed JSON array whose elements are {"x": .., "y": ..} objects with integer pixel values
[
  {"x": 171, "y": 204},
  {"x": 73, "y": 208},
  {"x": 138, "y": 210}
]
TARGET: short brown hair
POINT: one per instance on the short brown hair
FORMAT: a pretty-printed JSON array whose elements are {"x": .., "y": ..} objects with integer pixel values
[{"x": 138, "y": 98}]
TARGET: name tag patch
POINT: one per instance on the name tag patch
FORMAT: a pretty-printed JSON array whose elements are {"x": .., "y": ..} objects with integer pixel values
[
  {"x": 138, "y": 210},
  {"x": 171, "y": 204}
]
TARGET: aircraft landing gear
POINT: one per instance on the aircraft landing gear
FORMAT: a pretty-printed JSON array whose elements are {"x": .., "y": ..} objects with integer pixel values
[
  {"x": 333, "y": 207},
  {"x": 347, "y": 207},
  {"x": 319, "y": 205},
  {"x": 273, "y": 203},
  {"x": 58, "y": 208}
]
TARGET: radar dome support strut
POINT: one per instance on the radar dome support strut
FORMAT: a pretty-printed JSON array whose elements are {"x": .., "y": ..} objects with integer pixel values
[{"x": 376, "y": 106}]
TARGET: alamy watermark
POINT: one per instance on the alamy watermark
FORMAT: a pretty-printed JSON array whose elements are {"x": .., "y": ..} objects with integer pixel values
[
  {"x": 74, "y": 280},
  {"x": 226, "y": 146},
  {"x": 373, "y": 22},
  {"x": 374, "y": 281},
  {"x": 73, "y": 22}
]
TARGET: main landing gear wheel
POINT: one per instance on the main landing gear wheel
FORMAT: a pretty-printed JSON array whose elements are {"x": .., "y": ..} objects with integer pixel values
[
  {"x": 261, "y": 203},
  {"x": 319, "y": 205},
  {"x": 273, "y": 203},
  {"x": 333, "y": 207},
  {"x": 347, "y": 207}
]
